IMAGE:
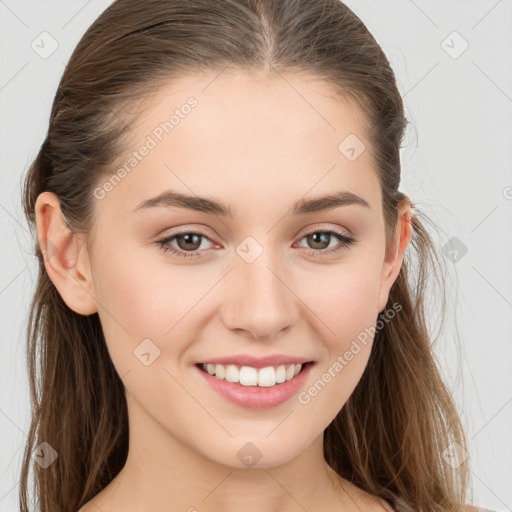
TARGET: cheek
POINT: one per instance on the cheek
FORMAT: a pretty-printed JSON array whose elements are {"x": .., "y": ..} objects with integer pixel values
[
  {"x": 146, "y": 297},
  {"x": 129, "y": 303},
  {"x": 346, "y": 302},
  {"x": 142, "y": 300},
  {"x": 346, "y": 308}
]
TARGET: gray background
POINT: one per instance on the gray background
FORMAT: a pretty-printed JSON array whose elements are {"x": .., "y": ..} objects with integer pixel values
[{"x": 456, "y": 168}]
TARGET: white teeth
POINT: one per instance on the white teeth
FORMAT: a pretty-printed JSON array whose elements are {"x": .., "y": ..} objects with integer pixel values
[
  {"x": 249, "y": 376},
  {"x": 232, "y": 373},
  {"x": 267, "y": 377},
  {"x": 281, "y": 374},
  {"x": 220, "y": 371}
]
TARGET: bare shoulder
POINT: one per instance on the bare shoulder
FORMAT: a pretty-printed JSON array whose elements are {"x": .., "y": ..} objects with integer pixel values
[
  {"x": 363, "y": 500},
  {"x": 88, "y": 507},
  {"x": 91, "y": 506},
  {"x": 371, "y": 503}
]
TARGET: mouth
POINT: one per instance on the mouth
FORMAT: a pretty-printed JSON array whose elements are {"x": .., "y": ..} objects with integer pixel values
[
  {"x": 255, "y": 388},
  {"x": 267, "y": 377}
]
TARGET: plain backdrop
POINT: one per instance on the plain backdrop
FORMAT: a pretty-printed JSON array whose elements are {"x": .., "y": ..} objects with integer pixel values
[{"x": 454, "y": 67}]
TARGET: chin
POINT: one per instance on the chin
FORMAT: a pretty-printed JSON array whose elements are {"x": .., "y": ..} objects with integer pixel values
[{"x": 257, "y": 454}]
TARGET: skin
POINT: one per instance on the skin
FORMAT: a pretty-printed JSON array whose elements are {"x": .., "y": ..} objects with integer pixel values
[{"x": 254, "y": 143}]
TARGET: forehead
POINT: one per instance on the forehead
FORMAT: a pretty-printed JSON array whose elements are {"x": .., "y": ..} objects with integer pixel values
[
  {"x": 232, "y": 106},
  {"x": 259, "y": 135}
]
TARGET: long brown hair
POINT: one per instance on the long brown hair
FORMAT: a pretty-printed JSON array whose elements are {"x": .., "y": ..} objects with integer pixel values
[{"x": 390, "y": 437}]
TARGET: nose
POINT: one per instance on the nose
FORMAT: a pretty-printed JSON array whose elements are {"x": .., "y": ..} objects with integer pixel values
[{"x": 259, "y": 300}]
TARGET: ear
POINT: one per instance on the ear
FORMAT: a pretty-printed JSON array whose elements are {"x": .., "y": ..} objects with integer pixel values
[
  {"x": 395, "y": 252},
  {"x": 66, "y": 258}
]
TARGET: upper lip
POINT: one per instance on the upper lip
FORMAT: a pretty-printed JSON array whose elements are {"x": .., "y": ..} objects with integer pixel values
[{"x": 258, "y": 362}]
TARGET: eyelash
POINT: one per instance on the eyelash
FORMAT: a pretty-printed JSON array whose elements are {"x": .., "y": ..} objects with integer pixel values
[{"x": 345, "y": 242}]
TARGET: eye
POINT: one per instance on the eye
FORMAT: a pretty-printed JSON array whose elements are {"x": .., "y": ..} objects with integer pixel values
[
  {"x": 190, "y": 242},
  {"x": 320, "y": 240},
  {"x": 187, "y": 241}
]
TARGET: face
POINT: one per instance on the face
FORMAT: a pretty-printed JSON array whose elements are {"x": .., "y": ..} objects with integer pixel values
[{"x": 261, "y": 270}]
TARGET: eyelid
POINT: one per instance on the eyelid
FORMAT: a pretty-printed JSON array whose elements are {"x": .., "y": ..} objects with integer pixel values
[
  {"x": 326, "y": 227},
  {"x": 306, "y": 231},
  {"x": 188, "y": 230}
]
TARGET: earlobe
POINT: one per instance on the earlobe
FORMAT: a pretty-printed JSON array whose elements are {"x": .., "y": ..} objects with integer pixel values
[
  {"x": 65, "y": 255},
  {"x": 395, "y": 253}
]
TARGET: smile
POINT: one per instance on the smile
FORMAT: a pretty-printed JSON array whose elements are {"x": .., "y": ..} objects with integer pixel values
[
  {"x": 253, "y": 388},
  {"x": 249, "y": 376}
]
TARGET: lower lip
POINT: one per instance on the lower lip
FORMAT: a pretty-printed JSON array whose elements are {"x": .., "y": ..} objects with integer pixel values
[{"x": 256, "y": 397}]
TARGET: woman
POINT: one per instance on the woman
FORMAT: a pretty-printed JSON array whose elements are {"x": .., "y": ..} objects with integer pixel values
[{"x": 225, "y": 317}]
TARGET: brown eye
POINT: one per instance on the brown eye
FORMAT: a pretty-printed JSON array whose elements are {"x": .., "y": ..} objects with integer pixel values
[
  {"x": 189, "y": 241},
  {"x": 187, "y": 244},
  {"x": 319, "y": 242}
]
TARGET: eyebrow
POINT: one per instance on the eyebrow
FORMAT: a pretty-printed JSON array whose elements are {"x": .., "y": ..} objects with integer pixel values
[{"x": 171, "y": 199}]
